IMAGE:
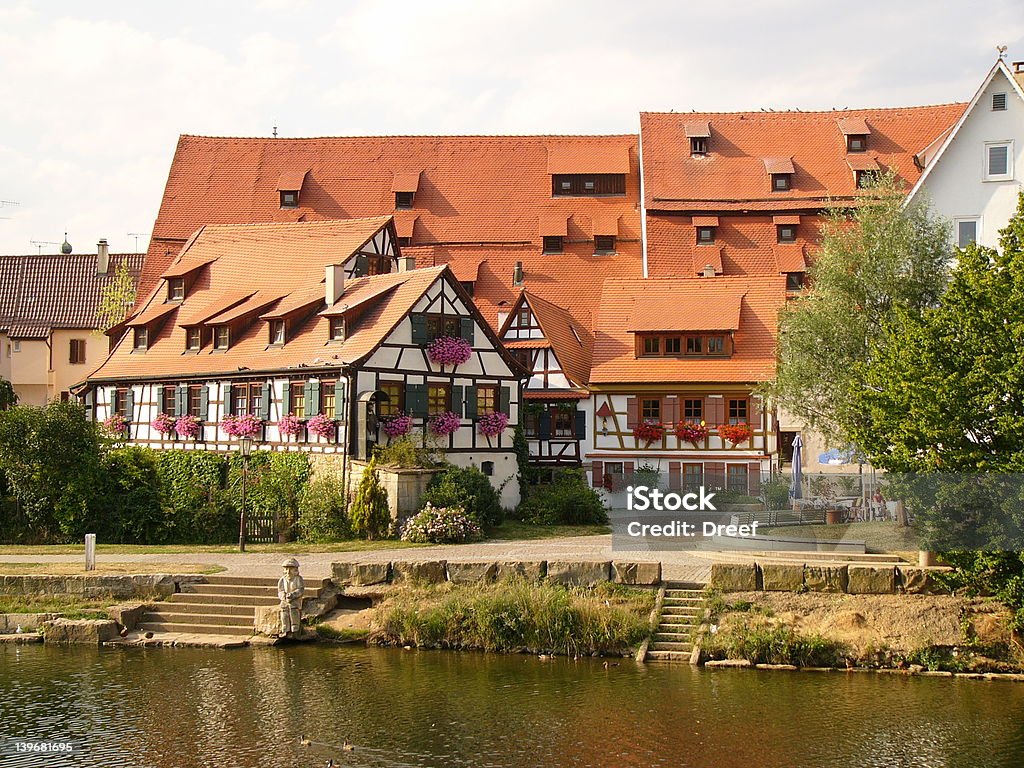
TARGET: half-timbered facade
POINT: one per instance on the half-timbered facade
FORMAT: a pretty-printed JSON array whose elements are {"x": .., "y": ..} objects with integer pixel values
[{"x": 313, "y": 337}]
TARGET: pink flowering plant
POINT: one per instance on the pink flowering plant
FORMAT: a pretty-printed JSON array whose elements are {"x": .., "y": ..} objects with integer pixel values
[
  {"x": 449, "y": 350},
  {"x": 115, "y": 425},
  {"x": 290, "y": 425},
  {"x": 693, "y": 433},
  {"x": 445, "y": 423},
  {"x": 163, "y": 423},
  {"x": 241, "y": 426},
  {"x": 399, "y": 425},
  {"x": 187, "y": 426},
  {"x": 492, "y": 424},
  {"x": 321, "y": 426},
  {"x": 441, "y": 525}
]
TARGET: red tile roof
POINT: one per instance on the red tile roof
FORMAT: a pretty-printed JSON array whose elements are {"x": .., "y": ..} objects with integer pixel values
[
  {"x": 571, "y": 342},
  {"x": 732, "y": 175},
  {"x": 664, "y": 309},
  {"x": 568, "y": 156}
]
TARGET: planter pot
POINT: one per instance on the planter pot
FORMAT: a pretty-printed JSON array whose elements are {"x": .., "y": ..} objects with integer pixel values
[{"x": 833, "y": 516}]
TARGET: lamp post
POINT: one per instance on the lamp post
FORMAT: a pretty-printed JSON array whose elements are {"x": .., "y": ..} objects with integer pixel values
[{"x": 245, "y": 445}]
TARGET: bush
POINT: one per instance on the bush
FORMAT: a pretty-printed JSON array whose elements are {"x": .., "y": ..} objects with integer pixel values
[
  {"x": 132, "y": 508},
  {"x": 469, "y": 488},
  {"x": 441, "y": 525},
  {"x": 196, "y": 508},
  {"x": 274, "y": 485},
  {"x": 322, "y": 509},
  {"x": 568, "y": 500},
  {"x": 405, "y": 453},
  {"x": 776, "y": 493},
  {"x": 370, "y": 516}
]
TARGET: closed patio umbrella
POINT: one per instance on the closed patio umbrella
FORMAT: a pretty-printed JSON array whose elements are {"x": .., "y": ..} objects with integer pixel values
[{"x": 795, "y": 490}]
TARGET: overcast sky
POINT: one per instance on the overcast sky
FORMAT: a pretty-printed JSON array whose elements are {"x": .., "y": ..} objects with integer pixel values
[{"x": 94, "y": 95}]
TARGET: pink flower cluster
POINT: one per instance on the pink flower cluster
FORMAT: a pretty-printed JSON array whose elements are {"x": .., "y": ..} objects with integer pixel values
[
  {"x": 163, "y": 423},
  {"x": 116, "y": 424},
  {"x": 290, "y": 425},
  {"x": 321, "y": 426},
  {"x": 397, "y": 426},
  {"x": 493, "y": 424},
  {"x": 187, "y": 426},
  {"x": 449, "y": 350},
  {"x": 445, "y": 423},
  {"x": 441, "y": 525},
  {"x": 241, "y": 426},
  {"x": 693, "y": 433}
]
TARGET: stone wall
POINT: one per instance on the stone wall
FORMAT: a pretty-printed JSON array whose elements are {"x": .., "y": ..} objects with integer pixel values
[
  {"x": 568, "y": 572},
  {"x": 858, "y": 579},
  {"x": 121, "y": 587}
]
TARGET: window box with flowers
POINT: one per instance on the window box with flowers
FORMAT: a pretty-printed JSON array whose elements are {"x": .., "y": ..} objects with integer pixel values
[
  {"x": 187, "y": 427},
  {"x": 290, "y": 426},
  {"x": 695, "y": 434},
  {"x": 735, "y": 433},
  {"x": 492, "y": 424},
  {"x": 242, "y": 426},
  {"x": 649, "y": 432},
  {"x": 449, "y": 350},
  {"x": 321, "y": 426},
  {"x": 445, "y": 423},
  {"x": 396, "y": 426},
  {"x": 163, "y": 424},
  {"x": 116, "y": 425}
]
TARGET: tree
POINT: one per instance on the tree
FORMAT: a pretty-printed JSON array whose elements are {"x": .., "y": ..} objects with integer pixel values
[
  {"x": 116, "y": 298},
  {"x": 882, "y": 258},
  {"x": 370, "y": 515},
  {"x": 8, "y": 397}
]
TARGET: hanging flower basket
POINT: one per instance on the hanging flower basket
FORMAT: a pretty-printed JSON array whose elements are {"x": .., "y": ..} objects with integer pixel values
[
  {"x": 187, "y": 426},
  {"x": 241, "y": 426},
  {"x": 445, "y": 423},
  {"x": 492, "y": 424},
  {"x": 290, "y": 425},
  {"x": 321, "y": 426},
  {"x": 693, "y": 433},
  {"x": 116, "y": 425},
  {"x": 397, "y": 426},
  {"x": 649, "y": 432},
  {"x": 735, "y": 433},
  {"x": 449, "y": 350},
  {"x": 163, "y": 423}
]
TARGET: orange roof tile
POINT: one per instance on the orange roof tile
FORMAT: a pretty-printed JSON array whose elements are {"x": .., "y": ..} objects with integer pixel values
[
  {"x": 701, "y": 130},
  {"x": 790, "y": 257},
  {"x": 662, "y": 310},
  {"x": 359, "y": 292},
  {"x": 295, "y": 302},
  {"x": 853, "y": 126},
  {"x": 552, "y": 224},
  {"x": 785, "y": 220},
  {"x": 186, "y": 267},
  {"x": 863, "y": 163},
  {"x": 568, "y": 156},
  {"x": 255, "y": 303},
  {"x": 606, "y": 223},
  {"x": 707, "y": 256},
  {"x": 406, "y": 182},
  {"x": 753, "y": 360},
  {"x": 197, "y": 314},
  {"x": 705, "y": 221},
  {"x": 405, "y": 223},
  {"x": 291, "y": 180},
  {"x": 779, "y": 165},
  {"x": 571, "y": 342},
  {"x": 152, "y": 314}
]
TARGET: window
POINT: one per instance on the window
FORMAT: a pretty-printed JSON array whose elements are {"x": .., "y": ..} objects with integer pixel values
[
  {"x": 591, "y": 184},
  {"x": 698, "y": 145},
  {"x": 176, "y": 289},
  {"x": 736, "y": 478},
  {"x": 468, "y": 286},
  {"x": 613, "y": 474},
  {"x": 693, "y": 476},
  {"x": 705, "y": 235},
  {"x": 787, "y": 233},
  {"x": 659, "y": 346},
  {"x": 141, "y": 340},
  {"x": 486, "y": 399},
  {"x": 998, "y": 102},
  {"x": 523, "y": 357},
  {"x": 563, "y": 422},
  {"x": 337, "y": 328},
  {"x": 195, "y": 400},
  {"x": 329, "y": 399},
  {"x": 245, "y": 398},
  {"x": 169, "y": 402},
  {"x": 695, "y": 345},
  {"x": 290, "y": 198},
  {"x": 780, "y": 182},
  {"x": 672, "y": 345},
  {"x": 552, "y": 244},
  {"x": 444, "y": 325},
  {"x": 652, "y": 345},
  {"x": 221, "y": 337},
  {"x": 693, "y": 410},
  {"x": 856, "y": 142},
  {"x": 524, "y": 318},
  {"x": 604, "y": 244},
  {"x": 298, "y": 399},
  {"x": 76, "y": 352},
  {"x": 395, "y": 404},
  {"x": 650, "y": 409},
  {"x": 997, "y": 162},
  {"x": 487, "y": 467},
  {"x": 738, "y": 411},
  {"x": 404, "y": 199},
  {"x": 705, "y": 345},
  {"x": 794, "y": 281},
  {"x": 193, "y": 338},
  {"x": 404, "y": 242},
  {"x": 17, "y": 346},
  {"x": 716, "y": 345},
  {"x": 966, "y": 232},
  {"x": 119, "y": 406},
  {"x": 531, "y": 424},
  {"x": 277, "y": 332},
  {"x": 438, "y": 399}
]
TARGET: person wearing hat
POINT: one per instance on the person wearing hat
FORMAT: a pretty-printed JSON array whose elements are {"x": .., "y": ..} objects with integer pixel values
[{"x": 289, "y": 591}]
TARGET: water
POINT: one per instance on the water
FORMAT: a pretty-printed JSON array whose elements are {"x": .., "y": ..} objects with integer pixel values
[{"x": 178, "y": 708}]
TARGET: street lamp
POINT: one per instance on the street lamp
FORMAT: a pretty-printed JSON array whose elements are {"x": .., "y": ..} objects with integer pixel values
[{"x": 245, "y": 445}]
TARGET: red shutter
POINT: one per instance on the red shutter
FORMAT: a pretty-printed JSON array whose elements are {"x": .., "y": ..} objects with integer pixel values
[
  {"x": 675, "y": 472},
  {"x": 597, "y": 470},
  {"x": 754, "y": 479},
  {"x": 714, "y": 408},
  {"x": 632, "y": 412},
  {"x": 670, "y": 410},
  {"x": 755, "y": 413},
  {"x": 628, "y": 469},
  {"x": 714, "y": 474}
]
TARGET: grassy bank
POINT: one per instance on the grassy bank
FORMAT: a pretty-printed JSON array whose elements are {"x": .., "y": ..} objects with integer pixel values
[
  {"x": 70, "y": 606},
  {"x": 104, "y": 569},
  {"x": 516, "y": 617}
]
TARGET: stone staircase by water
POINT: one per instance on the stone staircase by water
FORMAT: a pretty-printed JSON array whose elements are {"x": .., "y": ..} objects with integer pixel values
[
  {"x": 225, "y": 605},
  {"x": 682, "y": 612}
]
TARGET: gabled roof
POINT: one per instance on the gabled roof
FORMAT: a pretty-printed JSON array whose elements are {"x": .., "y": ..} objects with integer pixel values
[
  {"x": 38, "y": 293},
  {"x": 759, "y": 300},
  {"x": 732, "y": 175},
  {"x": 571, "y": 342}
]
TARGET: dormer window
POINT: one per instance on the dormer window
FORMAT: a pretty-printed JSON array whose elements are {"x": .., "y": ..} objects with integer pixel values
[
  {"x": 856, "y": 132},
  {"x": 856, "y": 143},
  {"x": 404, "y": 242},
  {"x": 786, "y": 233},
  {"x": 698, "y": 134},
  {"x": 176, "y": 289},
  {"x": 404, "y": 200},
  {"x": 698, "y": 146},
  {"x": 587, "y": 184},
  {"x": 781, "y": 182},
  {"x": 553, "y": 244},
  {"x": 705, "y": 235},
  {"x": 140, "y": 341},
  {"x": 194, "y": 339},
  {"x": 998, "y": 102},
  {"x": 277, "y": 329},
  {"x": 337, "y": 329},
  {"x": 794, "y": 281},
  {"x": 404, "y": 186},
  {"x": 289, "y": 198},
  {"x": 289, "y": 184},
  {"x": 604, "y": 244},
  {"x": 221, "y": 337}
]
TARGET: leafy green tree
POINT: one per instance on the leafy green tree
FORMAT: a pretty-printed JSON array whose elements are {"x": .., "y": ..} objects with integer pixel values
[
  {"x": 567, "y": 500},
  {"x": 882, "y": 258},
  {"x": 116, "y": 298},
  {"x": 8, "y": 397},
  {"x": 469, "y": 488},
  {"x": 370, "y": 516}
]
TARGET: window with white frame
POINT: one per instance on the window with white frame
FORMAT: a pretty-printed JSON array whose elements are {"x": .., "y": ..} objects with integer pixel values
[
  {"x": 966, "y": 232},
  {"x": 999, "y": 161}
]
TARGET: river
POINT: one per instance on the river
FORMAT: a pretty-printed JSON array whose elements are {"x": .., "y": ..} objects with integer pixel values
[{"x": 179, "y": 708}]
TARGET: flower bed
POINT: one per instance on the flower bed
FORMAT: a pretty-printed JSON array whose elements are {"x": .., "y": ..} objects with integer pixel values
[
  {"x": 449, "y": 350},
  {"x": 399, "y": 425},
  {"x": 694, "y": 433},
  {"x": 321, "y": 426},
  {"x": 735, "y": 433},
  {"x": 241, "y": 426},
  {"x": 649, "y": 432},
  {"x": 441, "y": 525},
  {"x": 163, "y": 423},
  {"x": 187, "y": 426},
  {"x": 492, "y": 424},
  {"x": 290, "y": 425},
  {"x": 445, "y": 423}
]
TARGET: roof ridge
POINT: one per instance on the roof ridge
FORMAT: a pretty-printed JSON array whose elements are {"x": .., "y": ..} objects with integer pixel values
[
  {"x": 810, "y": 112},
  {"x": 419, "y": 136},
  {"x": 298, "y": 224}
]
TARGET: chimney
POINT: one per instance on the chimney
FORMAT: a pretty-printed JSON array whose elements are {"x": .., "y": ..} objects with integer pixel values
[
  {"x": 102, "y": 257},
  {"x": 709, "y": 270},
  {"x": 334, "y": 277},
  {"x": 517, "y": 274},
  {"x": 1018, "y": 72},
  {"x": 406, "y": 263}
]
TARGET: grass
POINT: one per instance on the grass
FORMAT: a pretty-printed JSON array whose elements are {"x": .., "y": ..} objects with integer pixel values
[
  {"x": 103, "y": 569},
  {"x": 71, "y": 606},
  {"x": 765, "y": 644},
  {"x": 879, "y": 537},
  {"x": 515, "y": 530},
  {"x": 342, "y": 635}
]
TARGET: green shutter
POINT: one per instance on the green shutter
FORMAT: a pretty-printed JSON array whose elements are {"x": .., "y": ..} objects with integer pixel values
[
  {"x": 504, "y": 395},
  {"x": 204, "y": 403},
  {"x": 416, "y": 400},
  {"x": 340, "y": 409},
  {"x": 581, "y": 425},
  {"x": 264, "y": 408},
  {"x": 229, "y": 401},
  {"x": 286, "y": 399},
  {"x": 313, "y": 399},
  {"x": 467, "y": 326},
  {"x": 458, "y": 401},
  {"x": 129, "y": 404},
  {"x": 419, "y": 328},
  {"x": 362, "y": 266},
  {"x": 180, "y": 400},
  {"x": 307, "y": 398},
  {"x": 471, "y": 412},
  {"x": 545, "y": 425}
]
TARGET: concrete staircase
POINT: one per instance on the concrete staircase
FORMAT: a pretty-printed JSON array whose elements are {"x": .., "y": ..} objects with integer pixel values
[
  {"x": 225, "y": 605},
  {"x": 681, "y": 615}
]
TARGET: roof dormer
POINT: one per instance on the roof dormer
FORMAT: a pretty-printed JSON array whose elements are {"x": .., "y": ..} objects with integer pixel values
[
  {"x": 780, "y": 173},
  {"x": 699, "y": 135},
  {"x": 405, "y": 186},
  {"x": 856, "y": 132},
  {"x": 289, "y": 187}
]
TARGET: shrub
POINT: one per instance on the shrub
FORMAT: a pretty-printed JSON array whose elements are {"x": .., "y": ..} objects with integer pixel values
[
  {"x": 370, "y": 516},
  {"x": 765, "y": 644},
  {"x": 196, "y": 508},
  {"x": 322, "y": 509},
  {"x": 441, "y": 525},
  {"x": 776, "y": 493},
  {"x": 568, "y": 500},
  {"x": 274, "y": 484},
  {"x": 405, "y": 453},
  {"x": 647, "y": 474},
  {"x": 132, "y": 512},
  {"x": 469, "y": 488}
]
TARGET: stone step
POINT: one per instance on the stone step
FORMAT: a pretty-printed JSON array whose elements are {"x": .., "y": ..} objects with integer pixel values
[
  {"x": 670, "y": 637},
  {"x": 683, "y": 657},
  {"x": 232, "y": 609},
  {"x": 219, "y": 599},
  {"x": 211, "y": 619},
  {"x": 258, "y": 581},
  {"x": 242, "y": 590},
  {"x": 668, "y": 645},
  {"x": 195, "y": 629},
  {"x": 683, "y": 599},
  {"x": 673, "y": 627},
  {"x": 682, "y": 613}
]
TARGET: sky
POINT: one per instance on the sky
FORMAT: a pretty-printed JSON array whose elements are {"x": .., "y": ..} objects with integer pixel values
[{"x": 95, "y": 95}]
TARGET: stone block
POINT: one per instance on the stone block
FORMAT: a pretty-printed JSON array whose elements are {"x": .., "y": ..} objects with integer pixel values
[
  {"x": 626, "y": 572},
  {"x": 79, "y": 631},
  {"x": 826, "y": 578},
  {"x": 871, "y": 580},
  {"x": 471, "y": 573},
  {"x": 782, "y": 577},
  {"x": 267, "y": 620},
  {"x": 426, "y": 571},
  {"x": 734, "y": 577},
  {"x": 360, "y": 574},
  {"x": 920, "y": 581},
  {"x": 128, "y": 615},
  {"x": 582, "y": 573},
  {"x": 527, "y": 570}
]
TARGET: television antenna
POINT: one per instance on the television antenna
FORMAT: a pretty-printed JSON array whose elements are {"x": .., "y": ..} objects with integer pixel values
[
  {"x": 5, "y": 203},
  {"x": 40, "y": 243},
  {"x": 137, "y": 235}
]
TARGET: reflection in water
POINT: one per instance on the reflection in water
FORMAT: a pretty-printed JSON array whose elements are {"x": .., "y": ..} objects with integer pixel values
[{"x": 179, "y": 708}]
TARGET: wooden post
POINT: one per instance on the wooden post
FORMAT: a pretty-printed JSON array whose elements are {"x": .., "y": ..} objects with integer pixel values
[{"x": 90, "y": 551}]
